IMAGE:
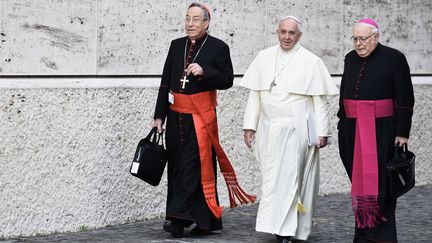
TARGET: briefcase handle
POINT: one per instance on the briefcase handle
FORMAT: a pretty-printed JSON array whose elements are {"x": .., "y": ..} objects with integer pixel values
[
  {"x": 400, "y": 152},
  {"x": 398, "y": 148},
  {"x": 155, "y": 137}
]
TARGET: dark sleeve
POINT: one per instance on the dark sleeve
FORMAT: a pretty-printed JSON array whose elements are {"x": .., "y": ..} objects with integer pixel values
[
  {"x": 219, "y": 76},
  {"x": 341, "y": 112},
  {"x": 162, "y": 103},
  {"x": 404, "y": 96}
]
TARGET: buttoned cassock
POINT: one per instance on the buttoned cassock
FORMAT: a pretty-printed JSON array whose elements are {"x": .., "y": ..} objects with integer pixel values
[{"x": 384, "y": 74}]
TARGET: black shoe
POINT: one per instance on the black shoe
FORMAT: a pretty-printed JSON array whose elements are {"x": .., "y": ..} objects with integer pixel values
[
  {"x": 283, "y": 239},
  {"x": 175, "y": 230},
  {"x": 198, "y": 231}
]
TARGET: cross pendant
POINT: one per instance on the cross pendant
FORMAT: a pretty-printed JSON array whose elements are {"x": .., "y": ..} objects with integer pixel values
[{"x": 184, "y": 80}]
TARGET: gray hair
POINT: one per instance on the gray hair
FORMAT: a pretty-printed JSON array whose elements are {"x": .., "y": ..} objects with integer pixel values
[{"x": 204, "y": 8}]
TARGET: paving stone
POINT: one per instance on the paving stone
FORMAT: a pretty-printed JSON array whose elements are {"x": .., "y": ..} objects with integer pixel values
[{"x": 333, "y": 223}]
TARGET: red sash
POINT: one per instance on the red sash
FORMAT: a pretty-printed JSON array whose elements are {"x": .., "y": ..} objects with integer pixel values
[
  {"x": 202, "y": 107},
  {"x": 364, "y": 188}
]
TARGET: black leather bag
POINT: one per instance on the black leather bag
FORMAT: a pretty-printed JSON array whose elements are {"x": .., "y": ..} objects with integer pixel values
[
  {"x": 401, "y": 171},
  {"x": 150, "y": 158}
]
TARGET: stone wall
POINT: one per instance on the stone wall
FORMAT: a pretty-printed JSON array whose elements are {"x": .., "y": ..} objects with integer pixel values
[
  {"x": 133, "y": 36},
  {"x": 65, "y": 155}
]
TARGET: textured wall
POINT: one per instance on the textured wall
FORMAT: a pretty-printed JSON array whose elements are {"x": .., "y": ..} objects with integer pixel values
[
  {"x": 133, "y": 36},
  {"x": 65, "y": 155},
  {"x": 52, "y": 37}
]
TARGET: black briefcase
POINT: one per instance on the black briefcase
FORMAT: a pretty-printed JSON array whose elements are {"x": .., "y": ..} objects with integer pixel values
[
  {"x": 150, "y": 158},
  {"x": 401, "y": 171}
]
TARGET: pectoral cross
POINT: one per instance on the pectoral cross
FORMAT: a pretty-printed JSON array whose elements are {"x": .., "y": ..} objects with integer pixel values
[{"x": 184, "y": 80}]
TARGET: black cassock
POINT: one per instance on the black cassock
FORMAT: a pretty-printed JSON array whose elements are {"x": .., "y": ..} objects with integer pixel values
[
  {"x": 185, "y": 202},
  {"x": 384, "y": 74}
]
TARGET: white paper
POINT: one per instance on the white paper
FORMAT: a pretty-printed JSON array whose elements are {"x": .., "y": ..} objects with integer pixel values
[
  {"x": 135, "y": 166},
  {"x": 171, "y": 98},
  {"x": 312, "y": 130}
]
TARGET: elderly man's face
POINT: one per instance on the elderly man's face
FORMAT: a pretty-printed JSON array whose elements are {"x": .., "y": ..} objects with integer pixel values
[
  {"x": 365, "y": 41},
  {"x": 288, "y": 34},
  {"x": 195, "y": 24}
]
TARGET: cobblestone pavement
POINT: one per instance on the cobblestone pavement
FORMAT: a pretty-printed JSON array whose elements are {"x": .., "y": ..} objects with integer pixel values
[{"x": 333, "y": 223}]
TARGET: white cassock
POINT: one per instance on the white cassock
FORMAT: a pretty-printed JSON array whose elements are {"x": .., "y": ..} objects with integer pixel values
[{"x": 289, "y": 166}]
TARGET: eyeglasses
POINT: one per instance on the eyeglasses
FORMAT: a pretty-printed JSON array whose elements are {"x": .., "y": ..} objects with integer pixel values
[
  {"x": 362, "y": 39},
  {"x": 193, "y": 20}
]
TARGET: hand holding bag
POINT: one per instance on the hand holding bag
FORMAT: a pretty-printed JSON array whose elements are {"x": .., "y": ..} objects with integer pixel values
[
  {"x": 150, "y": 158},
  {"x": 401, "y": 171}
]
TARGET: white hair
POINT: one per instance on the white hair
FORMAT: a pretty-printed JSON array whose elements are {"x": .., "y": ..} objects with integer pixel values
[
  {"x": 373, "y": 28},
  {"x": 292, "y": 18}
]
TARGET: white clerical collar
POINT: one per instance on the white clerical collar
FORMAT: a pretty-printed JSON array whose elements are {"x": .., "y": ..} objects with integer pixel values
[{"x": 293, "y": 50}]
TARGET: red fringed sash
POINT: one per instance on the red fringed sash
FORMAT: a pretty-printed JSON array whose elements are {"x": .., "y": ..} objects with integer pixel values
[
  {"x": 202, "y": 107},
  {"x": 364, "y": 188}
]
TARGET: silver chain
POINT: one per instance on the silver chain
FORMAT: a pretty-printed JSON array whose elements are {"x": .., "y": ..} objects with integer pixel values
[
  {"x": 187, "y": 39},
  {"x": 286, "y": 65}
]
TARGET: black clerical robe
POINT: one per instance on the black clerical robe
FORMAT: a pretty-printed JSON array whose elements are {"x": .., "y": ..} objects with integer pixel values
[
  {"x": 384, "y": 74},
  {"x": 185, "y": 202}
]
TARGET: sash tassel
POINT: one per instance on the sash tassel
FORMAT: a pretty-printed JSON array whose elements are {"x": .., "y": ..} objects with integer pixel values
[
  {"x": 366, "y": 211},
  {"x": 235, "y": 191}
]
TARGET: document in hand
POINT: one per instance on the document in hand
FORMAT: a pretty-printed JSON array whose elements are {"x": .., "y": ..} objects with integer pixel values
[{"x": 312, "y": 129}]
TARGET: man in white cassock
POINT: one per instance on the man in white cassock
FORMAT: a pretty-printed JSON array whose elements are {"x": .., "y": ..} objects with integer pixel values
[{"x": 289, "y": 86}]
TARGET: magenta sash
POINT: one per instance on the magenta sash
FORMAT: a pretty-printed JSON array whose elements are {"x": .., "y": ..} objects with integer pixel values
[{"x": 364, "y": 188}]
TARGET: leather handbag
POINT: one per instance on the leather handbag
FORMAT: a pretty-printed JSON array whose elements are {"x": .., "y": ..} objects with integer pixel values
[
  {"x": 401, "y": 171},
  {"x": 150, "y": 158}
]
